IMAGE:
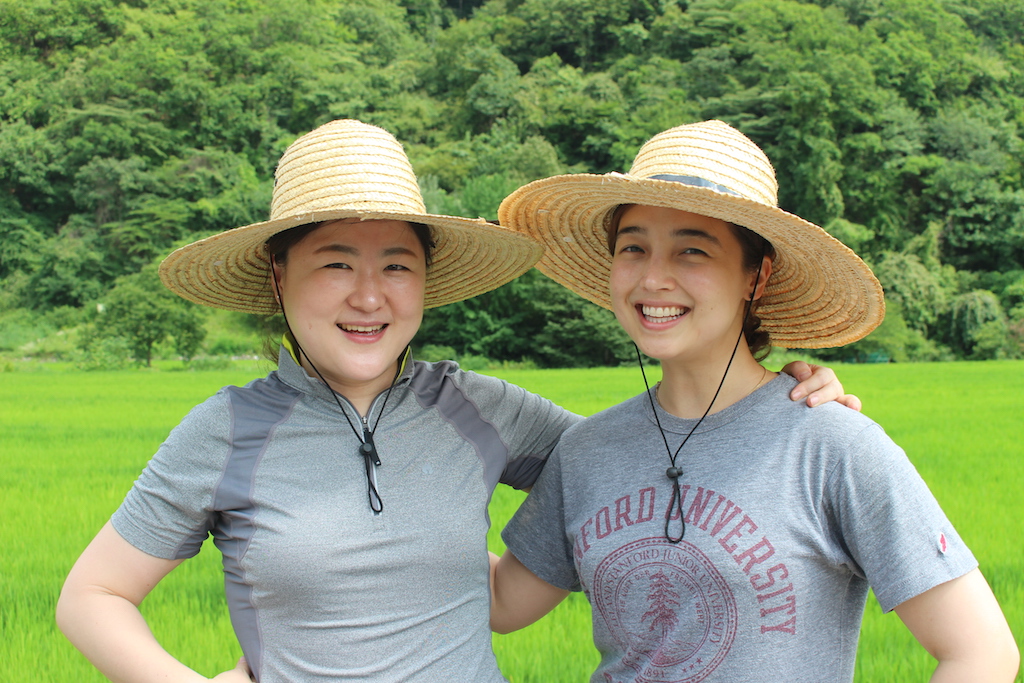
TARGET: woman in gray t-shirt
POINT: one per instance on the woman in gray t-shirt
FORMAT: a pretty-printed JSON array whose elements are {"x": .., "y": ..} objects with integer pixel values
[{"x": 721, "y": 532}]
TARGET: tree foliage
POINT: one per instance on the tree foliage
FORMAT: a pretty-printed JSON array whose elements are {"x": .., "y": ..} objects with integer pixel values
[
  {"x": 978, "y": 326},
  {"x": 531, "y": 319},
  {"x": 140, "y": 311},
  {"x": 128, "y": 127}
]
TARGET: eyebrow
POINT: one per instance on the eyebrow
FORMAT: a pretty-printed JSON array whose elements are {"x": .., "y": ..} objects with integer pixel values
[
  {"x": 352, "y": 251},
  {"x": 680, "y": 232}
]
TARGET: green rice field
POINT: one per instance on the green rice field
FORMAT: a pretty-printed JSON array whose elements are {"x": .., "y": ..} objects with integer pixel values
[{"x": 71, "y": 443}]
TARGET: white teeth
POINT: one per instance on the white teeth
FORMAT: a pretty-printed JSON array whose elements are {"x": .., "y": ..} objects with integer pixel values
[
  {"x": 661, "y": 311},
  {"x": 361, "y": 328}
]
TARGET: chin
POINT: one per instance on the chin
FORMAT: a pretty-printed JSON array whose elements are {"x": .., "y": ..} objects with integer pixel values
[
  {"x": 651, "y": 352},
  {"x": 369, "y": 373}
]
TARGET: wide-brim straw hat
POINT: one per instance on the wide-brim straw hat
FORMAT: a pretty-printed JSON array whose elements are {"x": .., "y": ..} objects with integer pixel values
[
  {"x": 820, "y": 293},
  {"x": 346, "y": 169}
]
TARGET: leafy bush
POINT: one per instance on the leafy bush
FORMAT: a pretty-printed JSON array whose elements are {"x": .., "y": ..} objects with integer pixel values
[
  {"x": 104, "y": 353},
  {"x": 201, "y": 364},
  {"x": 977, "y": 327},
  {"x": 1015, "y": 338},
  {"x": 142, "y": 312},
  {"x": 892, "y": 341},
  {"x": 232, "y": 345},
  {"x": 991, "y": 341},
  {"x": 433, "y": 353},
  {"x": 473, "y": 362},
  {"x": 59, "y": 345},
  {"x": 21, "y": 326},
  {"x": 919, "y": 291}
]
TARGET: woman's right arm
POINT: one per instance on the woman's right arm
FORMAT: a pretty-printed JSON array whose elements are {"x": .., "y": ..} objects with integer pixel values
[
  {"x": 98, "y": 612},
  {"x": 960, "y": 624},
  {"x": 518, "y": 597}
]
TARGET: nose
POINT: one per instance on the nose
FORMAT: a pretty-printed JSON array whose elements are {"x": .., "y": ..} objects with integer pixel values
[
  {"x": 367, "y": 294},
  {"x": 657, "y": 275}
]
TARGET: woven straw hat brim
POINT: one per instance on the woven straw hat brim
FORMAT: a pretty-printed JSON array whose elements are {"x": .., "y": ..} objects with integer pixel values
[
  {"x": 231, "y": 270},
  {"x": 820, "y": 294}
]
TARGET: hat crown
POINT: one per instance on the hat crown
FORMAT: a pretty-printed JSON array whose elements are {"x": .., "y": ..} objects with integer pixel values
[
  {"x": 715, "y": 152},
  {"x": 345, "y": 165}
]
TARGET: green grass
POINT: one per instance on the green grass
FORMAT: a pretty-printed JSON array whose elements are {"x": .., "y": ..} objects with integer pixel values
[{"x": 71, "y": 443}]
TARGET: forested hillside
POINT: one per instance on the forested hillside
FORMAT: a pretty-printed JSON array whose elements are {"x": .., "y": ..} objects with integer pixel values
[{"x": 127, "y": 128}]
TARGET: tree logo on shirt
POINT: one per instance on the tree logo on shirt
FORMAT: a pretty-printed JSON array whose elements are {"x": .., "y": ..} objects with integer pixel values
[{"x": 668, "y": 608}]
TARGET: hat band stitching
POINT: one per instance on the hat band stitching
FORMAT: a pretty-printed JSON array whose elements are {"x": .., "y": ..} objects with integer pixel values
[{"x": 696, "y": 181}]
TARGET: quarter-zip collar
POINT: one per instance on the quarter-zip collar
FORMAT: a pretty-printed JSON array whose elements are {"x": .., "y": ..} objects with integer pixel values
[{"x": 294, "y": 375}]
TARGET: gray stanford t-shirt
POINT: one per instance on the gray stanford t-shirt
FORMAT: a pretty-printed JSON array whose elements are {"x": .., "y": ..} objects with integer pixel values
[{"x": 791, "y": 514}]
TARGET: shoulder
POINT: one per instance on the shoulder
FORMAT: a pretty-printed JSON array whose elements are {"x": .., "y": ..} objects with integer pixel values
[
  {"x": 606, "y": 426},
  {"x": 430, "y": 374},
  {"x": 232, "y": 408},
  {"x": 212, "y": 415},
  {"x": 265, "y": 396},
  {"x": 831, "y": 422},
  {"x": 445, "y": 381},
  {"x": 852, "y": 452}
]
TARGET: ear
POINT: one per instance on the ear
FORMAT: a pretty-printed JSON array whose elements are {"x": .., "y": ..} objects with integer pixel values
[
  {"x": 277, "y": 272},
  {"x": 762, "y": 278}
]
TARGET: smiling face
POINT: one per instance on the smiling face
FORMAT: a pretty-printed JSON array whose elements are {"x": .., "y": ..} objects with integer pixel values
[
  {"x": 678, "y": 284},
  {"x": 353, "y": 293}
]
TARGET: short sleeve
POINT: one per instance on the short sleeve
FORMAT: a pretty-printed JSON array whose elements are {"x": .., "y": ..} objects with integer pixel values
[
  {"x": 536, "y": 533},
  {"x": 168, "y": 511},
  {"x": 886, "y": 519}
]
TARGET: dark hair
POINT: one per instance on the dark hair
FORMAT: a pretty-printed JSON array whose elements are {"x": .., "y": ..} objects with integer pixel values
[{"x": 754, "y": 248}]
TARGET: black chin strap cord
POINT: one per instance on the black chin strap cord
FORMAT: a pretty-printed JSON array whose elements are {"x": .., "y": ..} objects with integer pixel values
[
  {"x": 367, "y": 448},
  {"x": 675, "y": 507}
]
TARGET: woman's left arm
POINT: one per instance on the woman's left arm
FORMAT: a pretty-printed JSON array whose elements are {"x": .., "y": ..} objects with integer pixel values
[
  {"x": 819, "y": 384},
  {"x": 960, "y": 624}
]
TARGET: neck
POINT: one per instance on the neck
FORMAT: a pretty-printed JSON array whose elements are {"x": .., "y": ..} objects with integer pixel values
[
  {"x": 359, "y": 394},
  {"x": 687, "y": 389}
]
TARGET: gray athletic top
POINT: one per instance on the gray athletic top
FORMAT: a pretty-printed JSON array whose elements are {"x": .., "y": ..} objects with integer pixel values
[
  {"x": 791, "y": 514},
  {"x": 319, "y": 587}
]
